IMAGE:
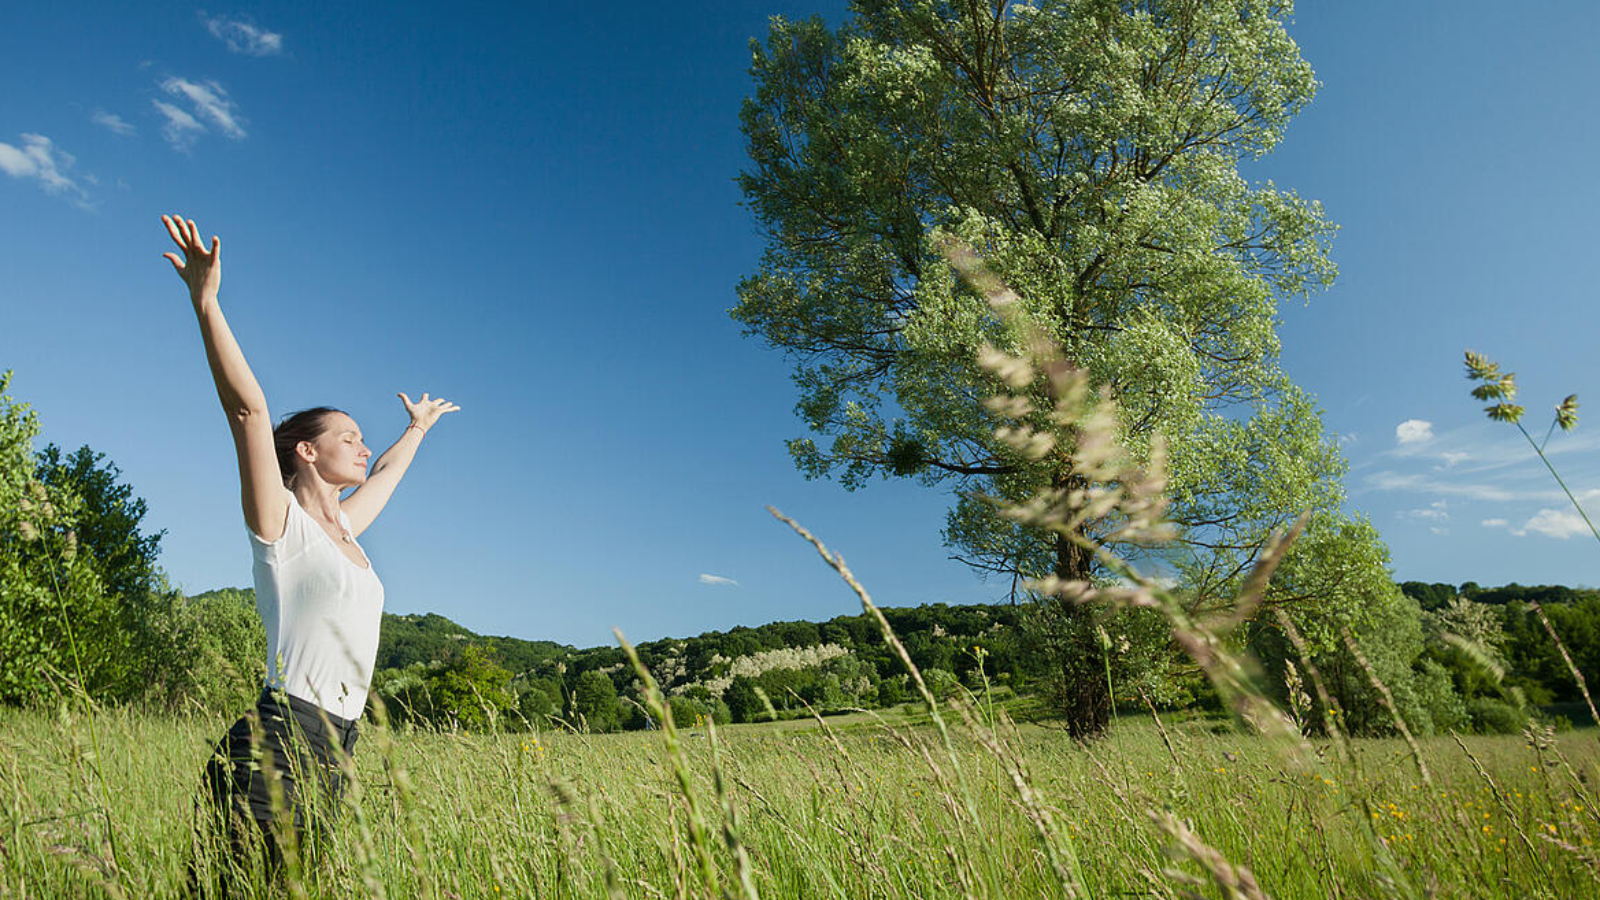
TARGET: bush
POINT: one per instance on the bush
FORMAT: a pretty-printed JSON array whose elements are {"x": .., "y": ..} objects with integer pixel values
[
  {"x": 595, "y": 702},
  {"x": 1490, "y": 716},
  {"x": 1436, "y": 693},
  {"x": 942, "y": 682}
]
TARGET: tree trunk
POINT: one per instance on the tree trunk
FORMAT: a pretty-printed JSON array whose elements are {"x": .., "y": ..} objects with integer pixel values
[{"x": 1085, "y": 696}]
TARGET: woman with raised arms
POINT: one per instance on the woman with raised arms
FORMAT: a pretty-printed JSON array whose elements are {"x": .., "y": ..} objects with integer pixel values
[{"x": 317, "y": 594}]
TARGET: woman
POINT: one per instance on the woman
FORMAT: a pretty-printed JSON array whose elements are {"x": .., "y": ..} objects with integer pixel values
[{"x": 318, "y": 597}]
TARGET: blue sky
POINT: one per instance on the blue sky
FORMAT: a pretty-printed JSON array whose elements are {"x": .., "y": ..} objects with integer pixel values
[{"x": 532, "y": 212}]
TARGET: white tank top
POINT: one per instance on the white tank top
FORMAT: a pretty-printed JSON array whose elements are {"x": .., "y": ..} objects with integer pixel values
[{"x": 321, "y": 613}]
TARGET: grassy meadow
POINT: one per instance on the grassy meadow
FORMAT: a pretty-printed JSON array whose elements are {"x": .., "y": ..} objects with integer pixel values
[{"x": 867, "y": 808}]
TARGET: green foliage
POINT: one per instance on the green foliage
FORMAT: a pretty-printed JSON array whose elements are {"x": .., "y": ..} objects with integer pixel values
[
  {"x": 1095, "y": 169},
  {"x": 539, "y": 700},
  {"x": 1490, "y": 716},
  {"x": 226, "y": 646},
  {"x": 46, "y": 585},
  {"x": 470, "y": 691},
  {"x": 595, "y": 703},
  {"x": 466, "y": 690},
  {"x": 744, "y": 704},
  {"x": 108, "y": 523},
  {"x": 429, "y": 637},
  {"x": 942, "y": 682}
]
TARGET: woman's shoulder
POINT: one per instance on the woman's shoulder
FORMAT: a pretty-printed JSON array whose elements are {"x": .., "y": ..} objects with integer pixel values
[{"x": 293, "y": 524}]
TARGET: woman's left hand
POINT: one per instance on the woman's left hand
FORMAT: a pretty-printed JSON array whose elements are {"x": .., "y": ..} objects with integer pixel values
[{"x": 425, "y": 412}]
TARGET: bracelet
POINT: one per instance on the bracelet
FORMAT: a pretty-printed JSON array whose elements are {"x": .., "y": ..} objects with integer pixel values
[{"x": 417, "y": 427}]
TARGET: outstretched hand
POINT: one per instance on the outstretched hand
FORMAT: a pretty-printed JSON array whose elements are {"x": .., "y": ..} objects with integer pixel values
[
  {"x": 200, "y": 269},
  {"x": 425, "y": 412}
]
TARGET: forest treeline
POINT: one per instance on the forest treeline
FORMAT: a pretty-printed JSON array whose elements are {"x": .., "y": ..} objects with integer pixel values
[{"x": 85, "y": 607}]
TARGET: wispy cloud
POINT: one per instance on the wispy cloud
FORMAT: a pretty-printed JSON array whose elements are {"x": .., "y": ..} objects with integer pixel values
[
  {"x": 181, "y": 128},
  {"x": 39, "y": 160},
  {"x": 1437, "y": 511},
  {"x": 1395, "y": 481},
  {"x": 210, "y": 102},
  {"x": 1413, "y": 431},
  {"x": 1555, "y": 523},
  {"x": 113, "y": 123},
  {"x": 243, "y": 37},
  {"x": 706, "y": 578}
]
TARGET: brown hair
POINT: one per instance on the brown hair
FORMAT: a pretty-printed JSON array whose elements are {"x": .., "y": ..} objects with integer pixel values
[{"x": 305, "y": 425}]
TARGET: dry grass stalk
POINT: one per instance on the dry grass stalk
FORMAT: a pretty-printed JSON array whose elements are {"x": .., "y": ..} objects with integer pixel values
[
  {"x": 1114, "y": 489},
  {"x": 1161, "y": 729},
  {"x": 730, "y": 822},
  {"x": 1387, "y": 699},
  {"x": 1590, "y": 861},
  {"x": 1500, "y": 799},
  {"x": 837, "y": 563},
  {"x": 1329, "y": 705},
  {"x": 1567, "y": 658},
  {"x": 1236, "y": 882},
  {"x": 1070, "y": 877},
  {"x": 405, "y": 799},
  {"x": 699, "y": 833}
]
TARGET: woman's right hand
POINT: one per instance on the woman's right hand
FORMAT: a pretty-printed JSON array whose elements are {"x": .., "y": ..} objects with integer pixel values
[{"x": 200, "y": 269}]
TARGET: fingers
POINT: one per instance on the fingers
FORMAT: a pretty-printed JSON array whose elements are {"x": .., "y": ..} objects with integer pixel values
[
  {"x": 436, "y": 405},
  {"x": 176, "y": 263},
  {"x": 187, "y": 236},
  {"x": 172, "y": 229}
]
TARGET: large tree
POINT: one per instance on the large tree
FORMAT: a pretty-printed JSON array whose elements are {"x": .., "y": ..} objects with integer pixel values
[{"x": 1090, "y": 151}]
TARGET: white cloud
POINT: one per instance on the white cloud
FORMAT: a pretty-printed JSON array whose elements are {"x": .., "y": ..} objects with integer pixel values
[
  {"x": 112, "y": 123},
  {"x": 1452, "y": 458},
  {"x": 242, "y": 37},
  {"x": 210, "y": 102},
  {"x": 39, "y": 160},
  {"x": 1556, "y": 523},
  {"x": 1413, "y": 431},
  {"x": 717, "y": 579},
  {"x": 181, "y": 128},
  {"x": 1438, "y": 511},
  {"x": 1347, "y": 440}
]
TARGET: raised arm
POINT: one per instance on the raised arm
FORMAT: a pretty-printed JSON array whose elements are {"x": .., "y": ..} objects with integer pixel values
[
  {"x": 266, "y": 509},
  {"x": 363, "y": 506}
]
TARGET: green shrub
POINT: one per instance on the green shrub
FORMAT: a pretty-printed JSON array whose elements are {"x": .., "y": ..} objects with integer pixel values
[{"x": 1490, "y": 716}]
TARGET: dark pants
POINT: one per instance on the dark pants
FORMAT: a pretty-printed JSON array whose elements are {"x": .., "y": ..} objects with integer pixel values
[{"x": 288, "y": 741}]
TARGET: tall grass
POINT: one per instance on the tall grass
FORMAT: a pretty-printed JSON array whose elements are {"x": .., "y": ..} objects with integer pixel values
[{"x": 867, "y": 811}]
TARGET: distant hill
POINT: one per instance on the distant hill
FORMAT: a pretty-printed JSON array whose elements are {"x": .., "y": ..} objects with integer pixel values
[{"x": 429, "y": 637}]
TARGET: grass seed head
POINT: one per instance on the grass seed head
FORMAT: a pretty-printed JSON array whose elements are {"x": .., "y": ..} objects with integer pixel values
[{"x": 1567, "y": 413}]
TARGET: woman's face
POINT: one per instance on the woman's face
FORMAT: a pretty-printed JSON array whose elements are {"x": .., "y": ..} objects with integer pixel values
[{"x": 338, "y": 454}]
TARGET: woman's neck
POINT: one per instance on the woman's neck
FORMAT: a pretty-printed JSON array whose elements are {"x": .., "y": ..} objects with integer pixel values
[{"x": 319, "y": 498}]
